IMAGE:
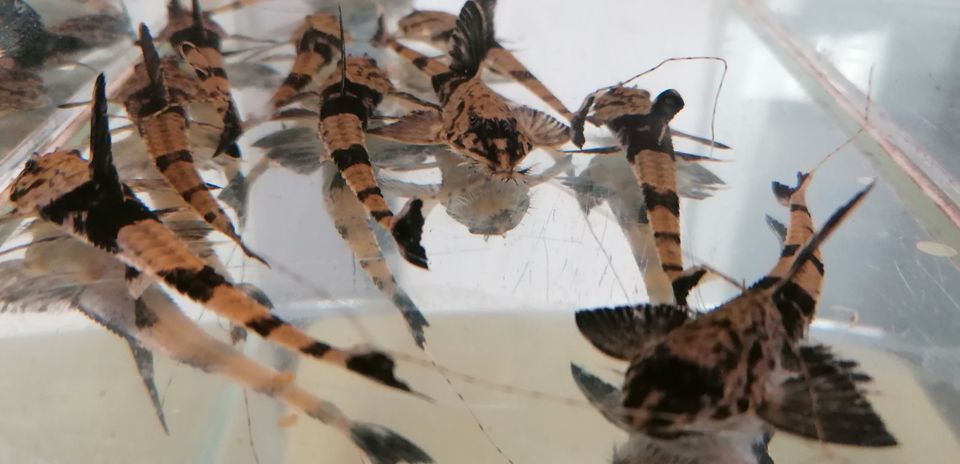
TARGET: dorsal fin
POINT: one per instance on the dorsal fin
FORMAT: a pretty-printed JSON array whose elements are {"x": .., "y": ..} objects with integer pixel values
[
  {"x": 102, "y": 170},
  {"x": 151, "y": 59},
  {"x": 472, "y": 37},
  {"x": 806, "y": 253},
  {"x": 197, "y": 13},
  {"x": 343, "y": 54}
]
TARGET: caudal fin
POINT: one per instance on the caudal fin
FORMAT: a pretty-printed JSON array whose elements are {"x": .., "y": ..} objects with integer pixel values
[
  {"x": 384, "y": 446},
  {"x": 407, "y": 230},
  {"x": 784, "y": 192}
]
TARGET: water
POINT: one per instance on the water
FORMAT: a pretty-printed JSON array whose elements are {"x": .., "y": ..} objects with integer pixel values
[{"x": 501, "y": 307}]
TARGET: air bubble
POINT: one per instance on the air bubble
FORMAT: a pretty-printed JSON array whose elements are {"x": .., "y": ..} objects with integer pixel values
[{"x": 936, "y": 249}]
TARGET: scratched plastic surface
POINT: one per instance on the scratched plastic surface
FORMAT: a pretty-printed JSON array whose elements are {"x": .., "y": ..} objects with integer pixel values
[{"x": 501, "y": 307}]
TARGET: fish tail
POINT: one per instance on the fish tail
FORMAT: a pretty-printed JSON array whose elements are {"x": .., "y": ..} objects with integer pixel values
[
  {"x": 207, "y": 287},
  {"x": 384, "y": 446},
  {"x": 162, "y": 326},
  {"x": 427, "y": 65},
  {"x": 785, "y": 192},
  {"x": 407, "y": 230},
  {"x": 505, "y": 63},
  {"x": 791, "y": 294},
  {"x": 656, "y": 172},
  {"x": 353, "y": 227},
  {"x": 315, "y": 50}
]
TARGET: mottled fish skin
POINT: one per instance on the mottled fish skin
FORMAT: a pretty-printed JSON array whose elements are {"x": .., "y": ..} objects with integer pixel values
[
  {"x": 474, "y": 120},
  {"x": 349, "y": 99},
  {"x": 88, "y": 201},
  {"x": 318, "y": 44},
  {"x": 199, "y": 45},
  {"x": 642, "y": 126},
  {"x": 725, "y": 365},
  {"x": 436, "y": 28},
  {"x": 745, "y": 444},
  {"x": 159, "y": 113}
]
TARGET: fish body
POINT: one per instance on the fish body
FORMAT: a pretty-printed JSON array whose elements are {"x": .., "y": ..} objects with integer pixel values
[
  {"x": 473, "y": 120},
  {"x": 318, "y": 44},
  {"x": 742, "y": 360},
  {"x": 88, "y": 201},
  {"x": 642, "y": 128},
  {"x": 160, "y": 115},
  {"x": 348, "y": 101},
  {"x": 199, "y": 45}
]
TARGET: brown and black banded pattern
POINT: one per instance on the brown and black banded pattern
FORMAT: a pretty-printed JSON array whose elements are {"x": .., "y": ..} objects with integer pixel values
[
  {"x": 88, "y": 201},
  {"x": 802, "y": 294},
  {"x": 351, "y": 222},
  {"x": 161, "y": 119},
  {"x": 436, "y": 28},
  {"x": 344, "y": 113},
  {"x": 153, "y": 323},
  {"x": 199, "y": 45},
  {"x": 318, "y": 44},
  {"x": 642, "y": 127}
]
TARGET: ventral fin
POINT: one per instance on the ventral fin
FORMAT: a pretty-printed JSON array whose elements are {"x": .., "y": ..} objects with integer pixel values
[{"x": 600, "y": 394}]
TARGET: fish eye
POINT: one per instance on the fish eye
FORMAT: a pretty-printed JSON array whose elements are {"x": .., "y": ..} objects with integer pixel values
[{"x": 474, "y": 121}]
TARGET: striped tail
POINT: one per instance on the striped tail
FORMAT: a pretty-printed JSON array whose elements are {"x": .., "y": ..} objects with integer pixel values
[
  {"x": 166, "y": 138},
  {"x": 162, "y": 326},
  {"x": 503, "y": 62},
  {"x": 799, "y": 231},
  {"x": 150, "y": 246},
  {"x": 351, "y": 222},
  {"x": 431, "y": 67},
  {"x": 650, "y": 152},
  {"x": 807, "y": 282},
  {"x": 341, "y": 126},
  {"x": 315, "y": 50},
  {"x": 796, "y": 293},
  {"x": 656, "y": 172}
]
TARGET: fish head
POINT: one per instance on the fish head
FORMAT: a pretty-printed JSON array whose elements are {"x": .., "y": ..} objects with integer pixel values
[
  {"x": 47, "y": 177},
  {"x": 497, "y": 144},
  {"x": 619, "y": 101}
]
